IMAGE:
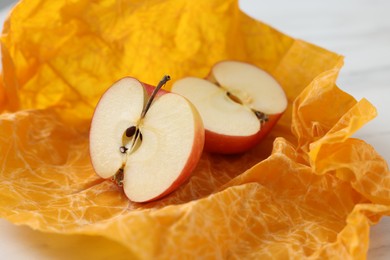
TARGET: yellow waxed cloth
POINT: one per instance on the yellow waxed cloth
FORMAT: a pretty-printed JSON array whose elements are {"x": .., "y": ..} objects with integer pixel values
[{"x": 308, "y": 190}]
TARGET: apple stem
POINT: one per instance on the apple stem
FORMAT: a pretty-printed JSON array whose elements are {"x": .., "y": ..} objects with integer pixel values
[
  {"x": 163, "y": 81},
  {"x": 118, "y": 177},
  {"x": 137, "y": 132}
]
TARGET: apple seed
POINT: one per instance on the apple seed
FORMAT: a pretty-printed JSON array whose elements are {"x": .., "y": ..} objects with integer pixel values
[
  {"x": 130, "y": 131},
  {"x": 123, "y": 149}
]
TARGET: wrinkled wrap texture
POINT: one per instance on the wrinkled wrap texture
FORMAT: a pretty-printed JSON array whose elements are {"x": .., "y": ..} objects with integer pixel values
[{"x": 308, "y": 190}]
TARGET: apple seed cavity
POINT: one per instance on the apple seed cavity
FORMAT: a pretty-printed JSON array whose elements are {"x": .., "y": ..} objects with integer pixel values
[
  {"x": 260, "y": 115},
  {"x": 234, "y": 98}
]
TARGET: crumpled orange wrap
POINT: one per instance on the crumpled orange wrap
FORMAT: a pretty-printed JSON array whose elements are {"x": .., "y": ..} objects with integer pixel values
[{"x": 308, "y": 190}]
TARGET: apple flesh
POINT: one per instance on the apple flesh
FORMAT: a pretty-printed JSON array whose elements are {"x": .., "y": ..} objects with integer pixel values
[
  {"x": 239, "y": 104},
  {"x": 150, "y": 148}
]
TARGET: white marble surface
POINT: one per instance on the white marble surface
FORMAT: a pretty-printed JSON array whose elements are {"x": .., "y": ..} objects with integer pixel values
[{"x": 357, "y": 29}]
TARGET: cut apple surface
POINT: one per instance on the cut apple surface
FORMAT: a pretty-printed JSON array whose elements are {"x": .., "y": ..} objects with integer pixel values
[
  {"x": 239, "y": 104},
  {"x": 149, "y": 147}
]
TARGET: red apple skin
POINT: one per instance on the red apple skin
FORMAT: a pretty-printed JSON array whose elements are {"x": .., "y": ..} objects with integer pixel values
[
  {"x": 226, "y": 144},
  {"x": 193, "y": 159}
]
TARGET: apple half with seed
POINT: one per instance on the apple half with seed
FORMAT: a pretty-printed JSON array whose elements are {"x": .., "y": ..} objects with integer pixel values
[
  {"x": 238, "y": 102},
  {"x": 149, "y": 145}
]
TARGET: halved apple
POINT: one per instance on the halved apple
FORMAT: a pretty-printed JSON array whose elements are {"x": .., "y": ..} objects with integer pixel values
[
  {"x": 238, "y": 102},
  {"x": 150, "y": 146}
]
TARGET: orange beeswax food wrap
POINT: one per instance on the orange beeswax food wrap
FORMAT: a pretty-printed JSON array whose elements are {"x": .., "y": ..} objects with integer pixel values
[{"x": 308, "y": 190}]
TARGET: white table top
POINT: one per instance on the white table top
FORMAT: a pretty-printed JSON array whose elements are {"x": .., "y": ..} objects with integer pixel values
[{"x": 357, "y": 29}]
